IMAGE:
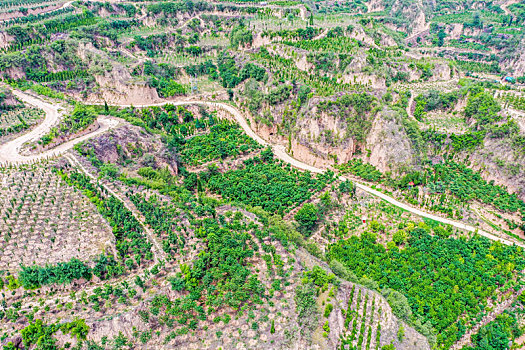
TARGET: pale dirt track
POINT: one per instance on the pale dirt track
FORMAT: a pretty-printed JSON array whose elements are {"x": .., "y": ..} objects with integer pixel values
[{"x": 9, "y": 152}]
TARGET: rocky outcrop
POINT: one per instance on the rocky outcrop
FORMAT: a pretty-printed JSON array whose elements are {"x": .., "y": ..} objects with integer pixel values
[
  {"x": 388, "y": 143},
  {"x": 116, "y": 85},
  {"x": 116, "y": 88},
  {"x": 500, "y": 162},
  {"x": 132, "y": 142}
]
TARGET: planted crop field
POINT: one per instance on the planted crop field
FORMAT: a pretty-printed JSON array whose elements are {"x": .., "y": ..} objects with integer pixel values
[
  {"x": 240, "y": 174},
  {"x": 43, "y": 220},
  {"x": 363, "y": 320},
  {"x": 18, "y": 120}
]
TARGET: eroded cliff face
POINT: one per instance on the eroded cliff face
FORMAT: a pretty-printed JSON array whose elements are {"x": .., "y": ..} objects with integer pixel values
[
  {"x": 115, "y": 83},
  {"x": 500, "y": 162},
  {"x": 388, "y": 145},
  {"x": 516, "y": 62},
  {"x": 324, "y": 136},
  {"x": 117, "y": 87},
  {"x": 128, "y": 141}
]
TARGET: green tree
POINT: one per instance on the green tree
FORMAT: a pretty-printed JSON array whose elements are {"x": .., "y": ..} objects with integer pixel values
[
  {"x": 306, "y": 218},
  {"x": 400, "y": 237},
  {"x": 240, "y": 36}
]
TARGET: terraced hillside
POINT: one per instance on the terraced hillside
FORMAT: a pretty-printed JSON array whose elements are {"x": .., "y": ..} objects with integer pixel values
[{"x": 262, "y": 175}]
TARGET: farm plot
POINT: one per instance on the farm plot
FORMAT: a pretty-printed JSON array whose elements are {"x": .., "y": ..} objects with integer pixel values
[
  {"x": 182, "y": 59},
  {"x": 45, "y": 221},
  {"x": 363, "y": 320},
  {"x": 19, "y": 120}
]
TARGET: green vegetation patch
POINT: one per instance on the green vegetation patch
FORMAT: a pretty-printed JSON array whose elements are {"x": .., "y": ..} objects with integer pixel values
[
  {"x": 131, "y": 242},
  {"x": 224, "y": 139},
  {"x": 80, "y": 119},
  {"x": 363, "y": 170},
  {"x": 497, "y": 333},
  {"x": 40, "y": 335},
  {"x": 267, "y": 183},
  {"x": 468, "y": 185},
  {"x": 442, "y": 279}
]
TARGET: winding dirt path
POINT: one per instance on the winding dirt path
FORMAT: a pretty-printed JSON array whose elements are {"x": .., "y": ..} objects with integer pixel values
[
  {"x": 504, "y": 6},
  {"x": 9, "y": 153}
]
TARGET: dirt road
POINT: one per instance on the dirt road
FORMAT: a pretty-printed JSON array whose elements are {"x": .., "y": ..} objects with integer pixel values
[{"x": 9, "y": 153}]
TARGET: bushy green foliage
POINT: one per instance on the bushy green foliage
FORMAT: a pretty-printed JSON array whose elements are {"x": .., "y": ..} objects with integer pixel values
[
  {"x": 467, "y": 141},
  {"x": 29, "y": 34},
  {"x": 430, "y": 270},
  {"x": 81, "y": 117},
  {"x": 341, "y": 271},
  {"x": 363, "y": 170},
  {"x": 306, "y": 218},
  {"x": 497, "y": 334},
  {"x": 482, "y": 109},
  {"x": 436, "y": 100},
  {"x": 40, "y": 335},
  {"x": 399, "y": 303},
  {"x": 44, "y": 76},
  {"x": 318, "y": 277},
  {"x": 467, "y": 185},
  {"x": 301, "y": 34},
  {"x": 268, "y": 184},
  {"x": 328, "y": 310},
  {"x": 163, "y": 220},
  {"x": 224, "y": 139},
  {"x": 219, "y": 277},
  {"x": 168, "y": 87},
  {"x": 478, "y": 67},
  {"x": 337, "y": 44},
  {"x": 240, "y": 36},
  {"x": 251, "y": 70},
  {"x": 32, "y": 277},
  {"x": 279, "y": 94},
  {"x": 228, "y": 71},
  {"x": 178, "y": 7},
  {"x": 199, "y": 69}
]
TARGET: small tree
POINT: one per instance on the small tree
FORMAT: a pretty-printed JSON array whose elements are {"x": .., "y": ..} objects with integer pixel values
[
  {"x": 307, "y": 218},
  {"x": 400, "y": 237},
  {"x": 240, "y": 36}
]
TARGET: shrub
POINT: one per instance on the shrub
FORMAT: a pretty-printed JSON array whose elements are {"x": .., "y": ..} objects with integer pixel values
[
  {"x": 341, "y": 271},
  {"x": 306, "y": 218},
  {"x": 328, "y": 310}
]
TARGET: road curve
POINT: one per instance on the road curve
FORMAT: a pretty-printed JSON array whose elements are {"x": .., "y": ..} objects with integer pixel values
[
  {"x": 9, "y": 152},
  {"x": 280, "y": 152}
]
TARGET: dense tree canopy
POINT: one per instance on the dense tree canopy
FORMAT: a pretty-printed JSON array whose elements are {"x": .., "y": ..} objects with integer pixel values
[{"x": 431, "y": 271}]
